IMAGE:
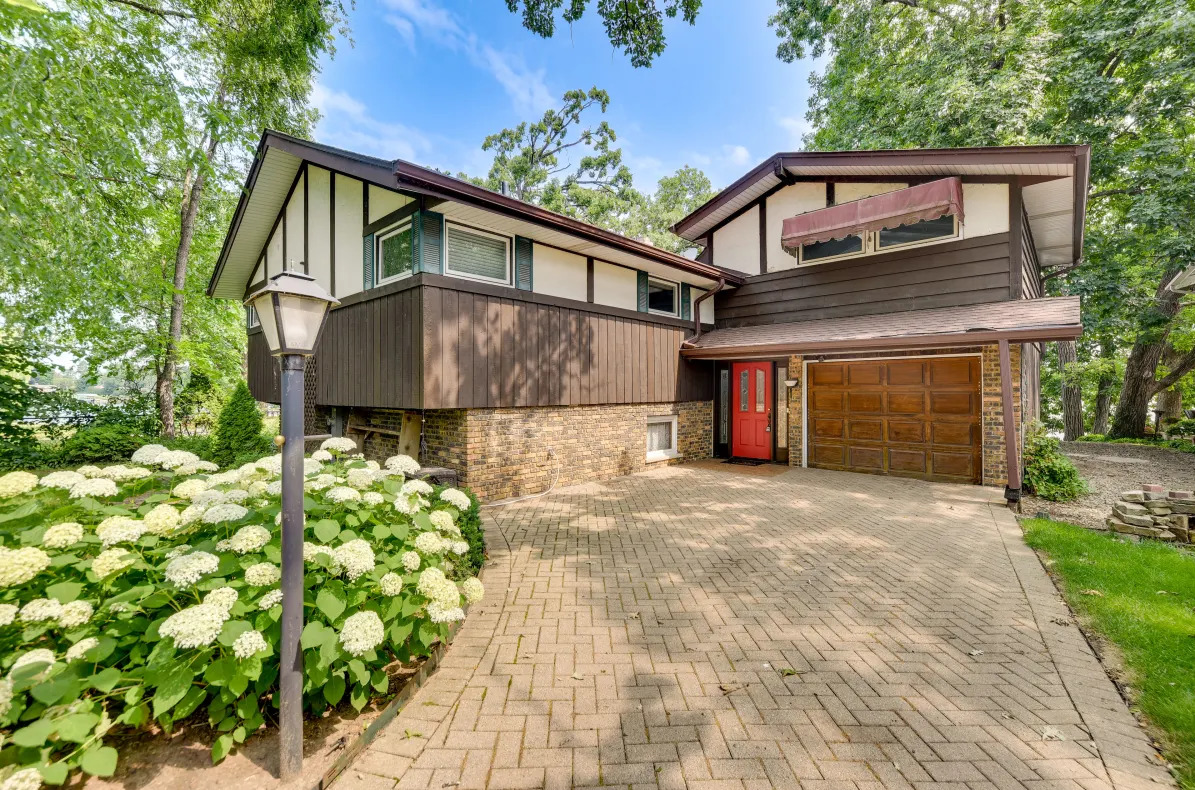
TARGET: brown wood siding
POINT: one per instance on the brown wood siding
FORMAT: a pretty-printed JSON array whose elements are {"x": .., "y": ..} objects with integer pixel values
[
  {"x": 1031, "y": 287},
  {"x": 482, "y": 350},
  {"x": 968, "y": 271},
  {"x": 370, "y": 353},
  {"x": 264, "y": 378}
]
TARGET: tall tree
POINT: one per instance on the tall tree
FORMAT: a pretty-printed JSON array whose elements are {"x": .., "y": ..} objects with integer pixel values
[{"x": 1072, "y": 399}]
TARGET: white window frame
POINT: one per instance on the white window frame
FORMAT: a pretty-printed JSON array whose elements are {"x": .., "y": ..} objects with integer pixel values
[
  {"x": 251, "y": 319},
  {"x": 871, "y": 246},
  {"x": 507, "y": 240},
  {"x": 662, "y": 455},
  {"x": 380, "y": 237},
  {"x": 675, "y": 295}
]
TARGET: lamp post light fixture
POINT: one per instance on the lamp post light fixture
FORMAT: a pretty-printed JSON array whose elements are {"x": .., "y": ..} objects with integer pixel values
[{"x": 291, "y": 309}]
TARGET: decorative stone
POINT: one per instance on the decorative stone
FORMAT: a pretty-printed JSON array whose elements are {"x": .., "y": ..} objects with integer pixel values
[
  {"x": 1155, "y": 495},
  {"x": 1180, "y": 494},
  {"x": 1181, "y": 521},
  {"x": 1116, "y": 525},
  {"x": 1152, "y": 489},
  {"x": 1137, "y": 521},
  {"x": 1182, "y": 507},
  {"x": 1130, "y": 508},
  {"x": 1132, "y": 496},
  {"x": 1159, "y": 509},
  {"x": 1165, "y": 535}
]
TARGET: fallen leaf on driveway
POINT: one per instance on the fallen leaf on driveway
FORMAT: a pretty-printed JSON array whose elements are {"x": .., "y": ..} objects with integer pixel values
[
  {"x": 729, "y": 689},
  {"x": 788, "y": 672},
  {"x": 578, "y": 676},
  {"x": 1052, "y": 734},
  {"x": 412, "y": 734},
  {"x": 975, "y": 653}
]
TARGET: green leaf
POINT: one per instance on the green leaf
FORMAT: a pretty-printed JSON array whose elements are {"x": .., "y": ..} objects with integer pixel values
[
  {"x": 334, "y": 689},
  {"x": 247, "y": 707},
  {"x": 195, "y": 695},
  {"x": 53, "y": 690},
  {"x": 232, "y": 629},
  {"x": 105, "y": 680},
  {"x": 360, "y": 673},
  {"x": 220, "y": 672},
  {"x": 359, "y": 697},
  {"x": 326, "y": 530},
  {"x": 313, "y": 635},
  {"x": 76, "y": 727},
  {"x": 381, "y": 532},
  {"x": 54, "y": 773},
  {"x": 35, "y": 734},
  {"x": 380, "y": 682},
  {"x": 238, "y": 684},
  {"x": 400, "y": 632},
  {"x": 221, "y": 747},
  {"x": 423, "y": 521},
  {"x": 331, "y": 601},
  {"x": 27, "y": 509},
  {"x": 172, "y": 688},
  {"x": 99, "y": 761},
  {"x": 238, "y": 735},
  {"x": 65, "y": 592},
  {"x": 428, "y": 634}
]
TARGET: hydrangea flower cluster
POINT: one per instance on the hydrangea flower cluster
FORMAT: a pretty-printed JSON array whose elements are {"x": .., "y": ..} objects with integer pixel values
[
  {"x": 339, "y": 445},
  {"x": 248, "y": 539},
  {"x": 162, "y": 520},
  {"x": 457, "y": 498},
  {"x": 60, "y": 536},
  {"x": 270, "y": 599},
  {"x": 189, "y": 489},
  {"x": 190, "y": 568},
  {"x": 119, "y": 529},
  {"x": 18, "y": 566},
  {"x": 359, "y": 478},
  {"x": 79, "y": 649},
  {"x": 224, "y": 513},
  {"x": 341, "y": 494},
  {"x": 16, "y": 483},
  {"x": 361, "y": 633},
  {"x": 195, "y": 626},
  {"x": 391, "y": 584},
  {"x": 64, "y": 479},
  {"x": 263, "y": 574},
  {"x": 402, "y": 464},
  {"x": 355, "y": 557},
  {"x": 96, "y": 487},
  {"x": 249, "y": 644},
  {"x": 112, "y": 561}
]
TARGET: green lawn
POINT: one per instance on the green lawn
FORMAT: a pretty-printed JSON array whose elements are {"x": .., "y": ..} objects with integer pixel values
[{"x": 1147, "y": 608}]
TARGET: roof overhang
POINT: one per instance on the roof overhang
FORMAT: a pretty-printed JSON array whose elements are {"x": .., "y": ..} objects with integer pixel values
[
  {"x": 1030, "y": 320},
  {"x": 1054, "y": 178},
  {"x": 276, "y": 165}
]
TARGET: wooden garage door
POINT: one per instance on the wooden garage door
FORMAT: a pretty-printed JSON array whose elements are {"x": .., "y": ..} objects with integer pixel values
[{"x": 909, "y": 417}]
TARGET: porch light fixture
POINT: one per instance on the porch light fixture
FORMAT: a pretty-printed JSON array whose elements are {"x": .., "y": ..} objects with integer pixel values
[
  {"x": 791, "y": 382},
  {"x": 291, "y": 309}
]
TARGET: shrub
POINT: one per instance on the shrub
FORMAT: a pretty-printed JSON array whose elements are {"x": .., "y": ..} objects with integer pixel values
[
  {"x": 1048, "y": 473},
  {"x": 470, "y": 524},
  {"x": 239, "y": 430},
  {"x": 1092, "y": 437},
  {"x": 1184, "y": 427},
  {"x": 98, "y": 443},
  {"x": 199, "y": 445},
  {"x": 150, "y": 595}
]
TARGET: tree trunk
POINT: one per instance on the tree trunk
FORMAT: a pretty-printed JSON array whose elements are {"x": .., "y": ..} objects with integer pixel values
[
  {"x": 1141, "y": 369},
  {"x": 192, "y": 196},
  {"x": 1170, "y": 403},
  {"x": 1103, "y": 392},
  {"x": 1072, "y": 396}
]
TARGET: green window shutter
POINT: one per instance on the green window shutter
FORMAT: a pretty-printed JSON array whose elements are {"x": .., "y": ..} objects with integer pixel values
[
  {"x": 367, "y": 261},
  {"x": 642, "y": 300},
  {"x": 524, "y": 264},
  {"x": 429, "y": 242},
  {"x": 686, "y": 311}
]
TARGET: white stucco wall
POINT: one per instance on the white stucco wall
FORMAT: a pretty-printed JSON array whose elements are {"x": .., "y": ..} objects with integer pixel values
[
  {"x": 985, "y": 209},
  {"x": 274, "y": 252},
  {"x": 846, "y": 192},
  {"x": 348, "y": 236},
  {"x": 736, "y": 244},
  {"x": 383, "y": 201},
  {"x": 785, "y": 203},
  {"x": 294, "y": 228},
  {"x": 615, "y": 286},
  {"x": 319, "y": 257},
  {"x": 707, "y": 307},
  {"x": 559, "y": 273}
]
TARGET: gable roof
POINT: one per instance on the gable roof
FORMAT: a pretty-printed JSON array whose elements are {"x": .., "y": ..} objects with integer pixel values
[
  {"x": 279, "y": 157},
  {"x": 1054, "y": 187}
]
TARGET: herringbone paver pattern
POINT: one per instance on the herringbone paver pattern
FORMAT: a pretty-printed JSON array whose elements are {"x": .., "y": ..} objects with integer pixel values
[{"x": 689, "y": 628}]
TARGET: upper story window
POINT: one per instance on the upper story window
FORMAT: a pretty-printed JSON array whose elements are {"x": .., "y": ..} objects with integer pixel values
[
  {"x": 912, "y": 234},
  {"x": 394, "y": 253},
  {"x": 663, "y": 297},
  {"x": 251, "y": 316},
  {"x": 476, "y": 254}
]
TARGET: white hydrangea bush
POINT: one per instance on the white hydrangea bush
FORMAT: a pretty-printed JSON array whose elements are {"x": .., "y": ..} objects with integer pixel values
[{"x": 149, "y": 592}]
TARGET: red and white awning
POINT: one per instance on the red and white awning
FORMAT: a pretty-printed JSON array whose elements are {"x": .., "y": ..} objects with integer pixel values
[{"x": 930, "y": 200}]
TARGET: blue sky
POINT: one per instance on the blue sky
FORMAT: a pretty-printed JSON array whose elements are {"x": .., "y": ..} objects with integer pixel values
[{"x": 427, "y": 80}]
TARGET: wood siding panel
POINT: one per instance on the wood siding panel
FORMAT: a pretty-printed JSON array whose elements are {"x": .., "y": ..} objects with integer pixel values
[
  {"x": 264, "y": 377},
  {"x": 969, "y": 271},
  {"x": 524, "y": 354},
  {"x": 1031, "y": 286}
]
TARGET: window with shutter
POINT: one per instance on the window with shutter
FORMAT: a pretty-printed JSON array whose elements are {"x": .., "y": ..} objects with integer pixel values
[{"x": 477, "y": 255}]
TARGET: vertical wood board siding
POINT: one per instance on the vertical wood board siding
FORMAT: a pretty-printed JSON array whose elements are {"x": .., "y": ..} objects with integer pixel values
[
  {"x": 483, "y": 351},
  {"x": 264, "y": 378},
  {"x": 969, "y": 271},
  {"x": 1031, "y": 285}
]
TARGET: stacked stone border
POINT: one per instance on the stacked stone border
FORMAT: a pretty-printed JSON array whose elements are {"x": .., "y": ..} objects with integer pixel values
[{"x": 1154, "y": 513}]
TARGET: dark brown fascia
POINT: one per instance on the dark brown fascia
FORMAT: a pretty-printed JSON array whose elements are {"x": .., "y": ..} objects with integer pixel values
[
  {"x": 411, "y": 176},
  {"x": 943, "y": 340},
  {"x": 777, "y": 165}
]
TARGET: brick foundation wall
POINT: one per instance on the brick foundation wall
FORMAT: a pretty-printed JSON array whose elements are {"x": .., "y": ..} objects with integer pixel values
[
  {"x": 501, "y": 453},
  {"x": 995, "y": 467}
]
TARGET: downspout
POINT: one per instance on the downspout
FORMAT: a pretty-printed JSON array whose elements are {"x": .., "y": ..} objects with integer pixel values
[{"x": 697, "y": 312}]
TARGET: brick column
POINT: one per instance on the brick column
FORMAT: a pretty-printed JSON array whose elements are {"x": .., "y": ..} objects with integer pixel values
[
  {"x": 796, "y": 427},
  {"x": 995, "y": 467}
]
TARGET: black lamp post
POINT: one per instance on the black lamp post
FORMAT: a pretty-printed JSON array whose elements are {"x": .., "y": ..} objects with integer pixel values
[{"x": 291, "y": 309}]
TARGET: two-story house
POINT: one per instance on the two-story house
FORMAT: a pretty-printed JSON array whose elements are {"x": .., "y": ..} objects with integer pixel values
[{"x": 876, "y": 311}]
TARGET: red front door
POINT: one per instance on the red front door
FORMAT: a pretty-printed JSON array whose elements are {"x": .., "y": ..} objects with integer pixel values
[{"x": 751, "y": 435}]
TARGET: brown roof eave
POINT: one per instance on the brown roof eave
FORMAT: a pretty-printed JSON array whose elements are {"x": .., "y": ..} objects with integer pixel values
[
  {"x": 914, "y": 342},
  {"x": 450, "y": 188}
]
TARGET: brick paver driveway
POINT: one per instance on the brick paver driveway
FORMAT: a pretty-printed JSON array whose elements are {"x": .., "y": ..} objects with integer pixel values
[{"x": 692, "y": 627}]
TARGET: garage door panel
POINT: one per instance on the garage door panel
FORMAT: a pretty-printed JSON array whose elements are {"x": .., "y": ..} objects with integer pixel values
[
  {"x": 827, "y": 400},
  {"x": 951, "y": 372},
  {"x": 863, "y": 375},
  {"x": 906, "y": 373},
  {"x": 906, "y": 432},
  {"x": 948, "y": 464},
  {"x": 952, "y": 403},
  {"x": 866, "y": 430},
  {"x": 957, "y": 433},
  {"x": 915, "y": 417},
  {"x": 869, "y": 402},
  {"x": 828, "y": 454},
  {"x": 867, "y": 458},
  {"x": 902, "y": 460},
  {"x": 906, "y": 402},
  {"x": 828, "y": 428}
]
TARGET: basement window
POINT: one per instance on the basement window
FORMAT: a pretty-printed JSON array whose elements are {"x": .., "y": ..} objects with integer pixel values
[{"x": 661, "y": 438}]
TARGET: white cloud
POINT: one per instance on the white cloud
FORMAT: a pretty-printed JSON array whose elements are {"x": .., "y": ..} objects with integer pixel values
[
  {"x": 797, "y": 128},
  {"x": 736, "y": 154},
  {"x": 526, "y": 88},
  {"x": 346, "y": 123}
]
